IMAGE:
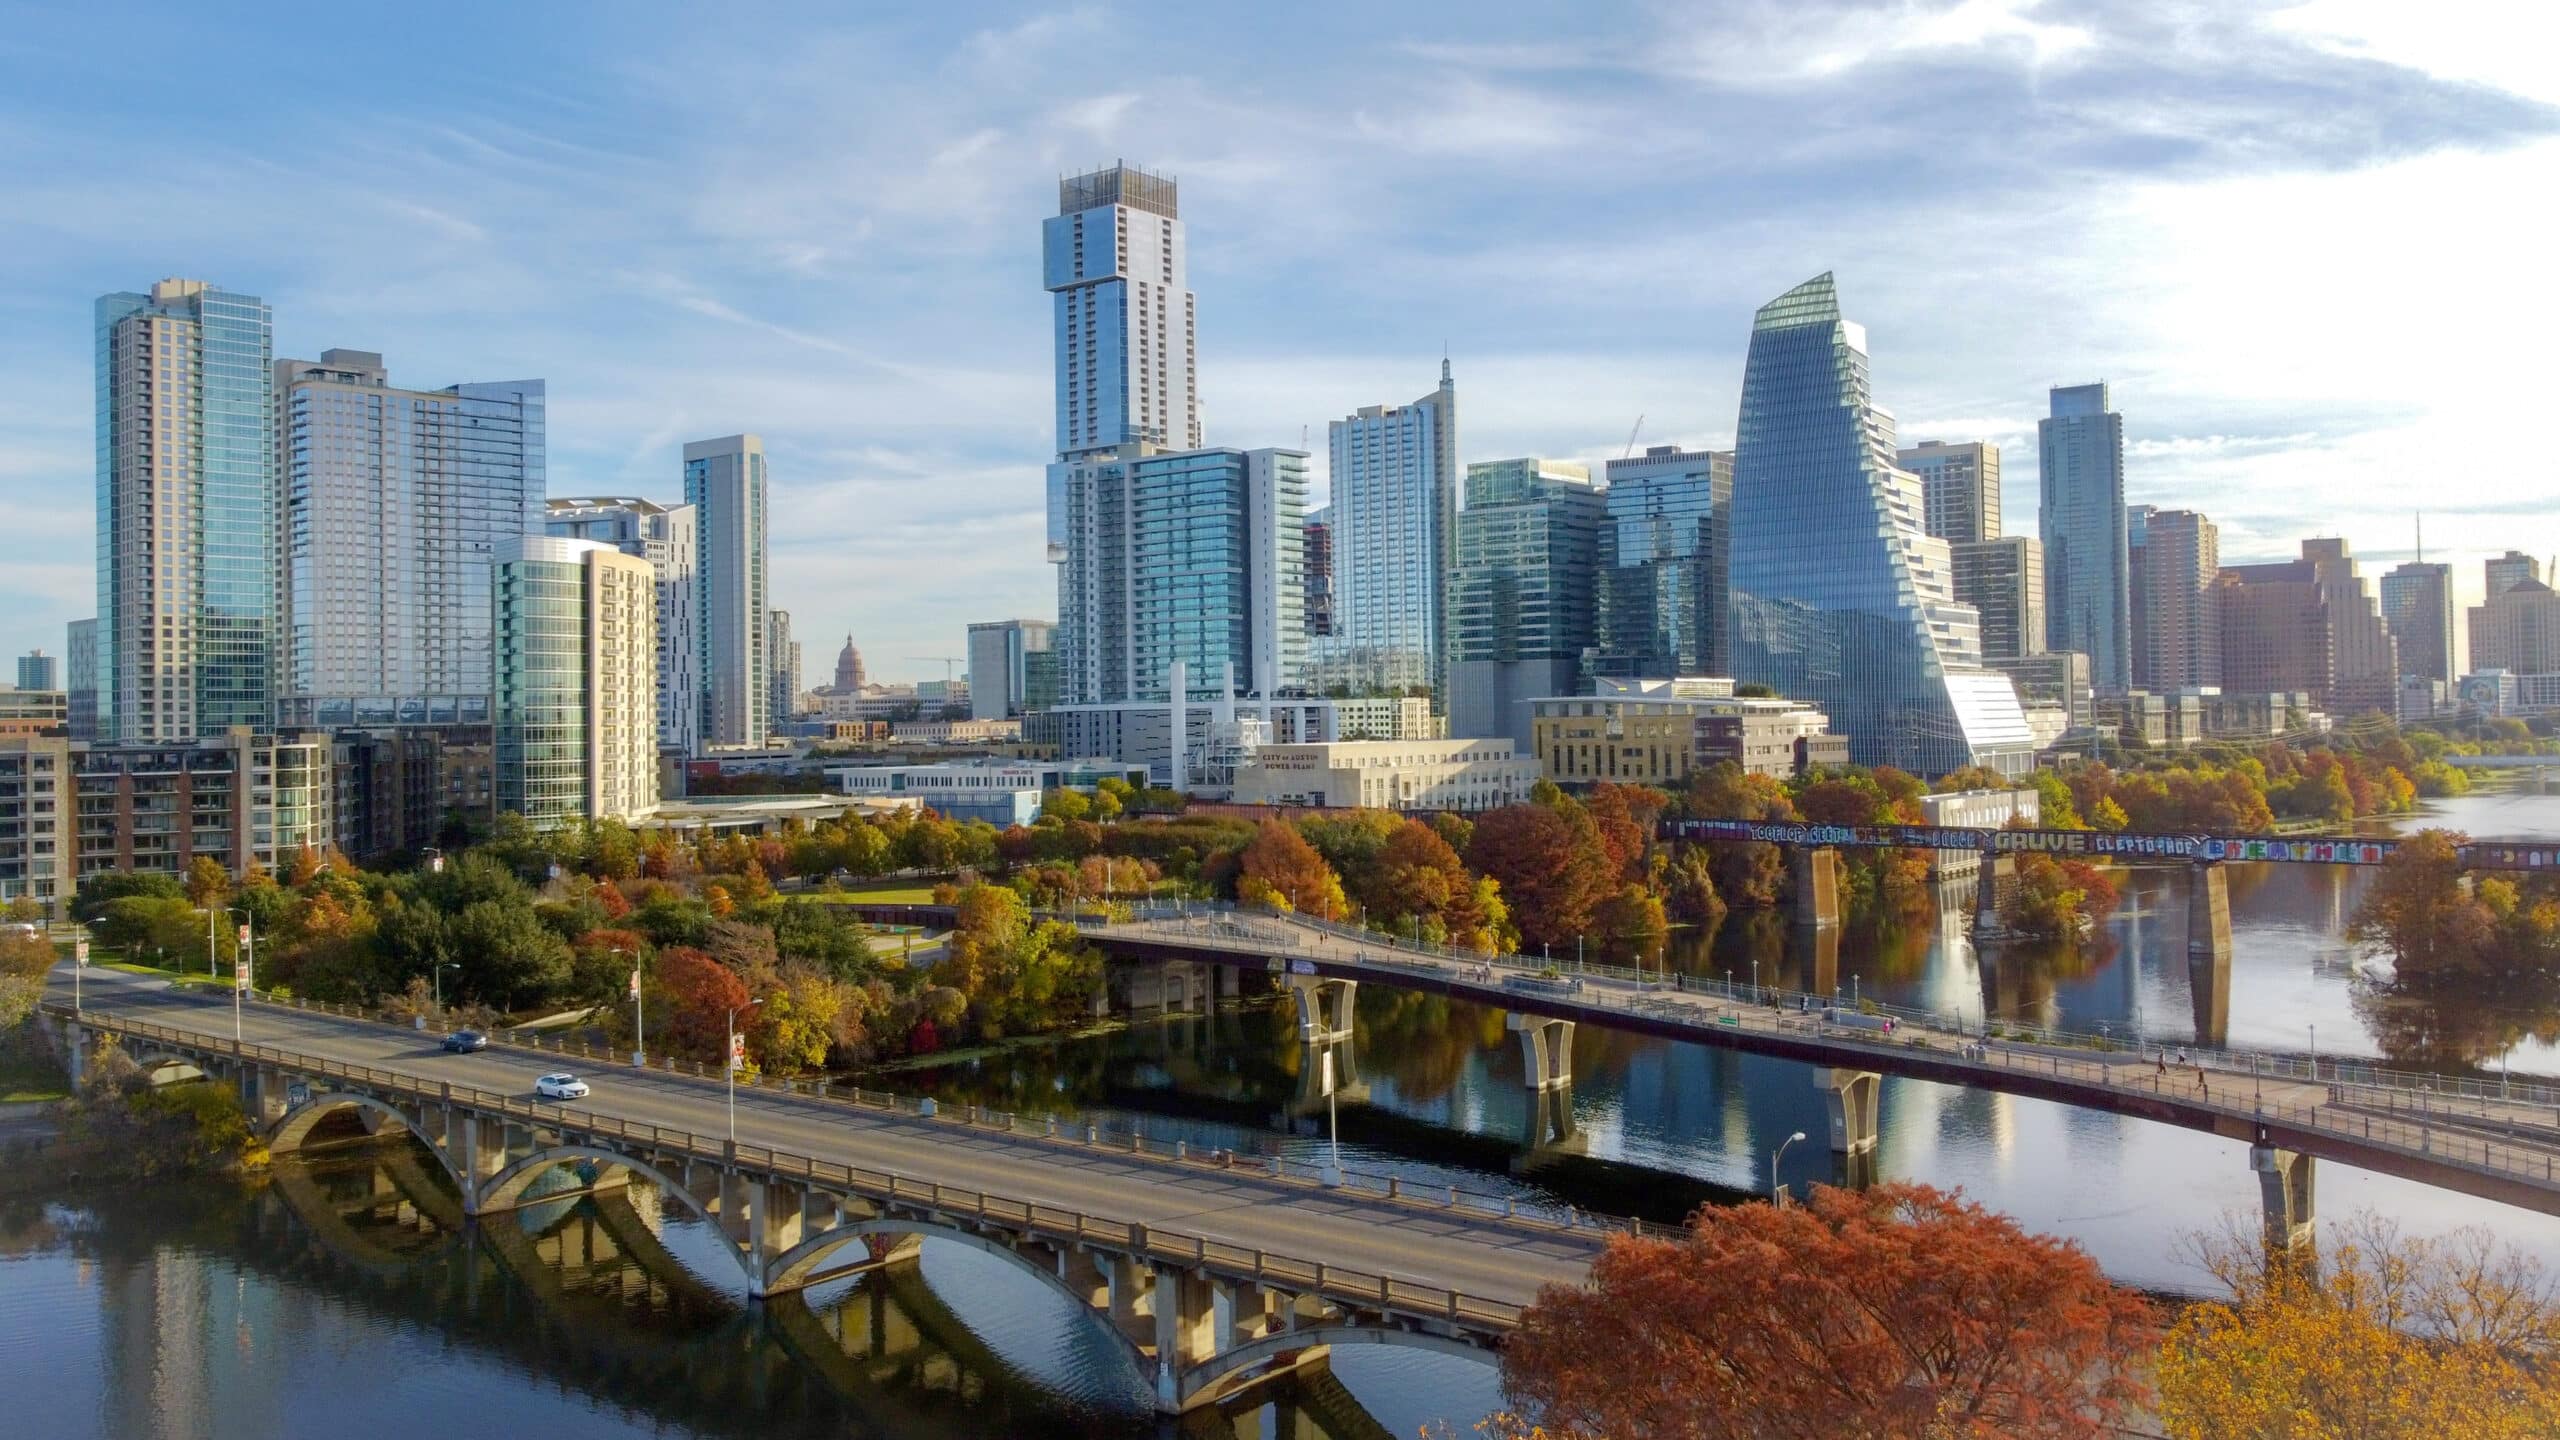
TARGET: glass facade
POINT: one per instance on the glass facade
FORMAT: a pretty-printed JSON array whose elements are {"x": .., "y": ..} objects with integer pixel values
[
  {"x": 1112, "y": 259},
  {"x": 575, "y": 687},
  {"x": 1663, "y": 568},
  {"x": 1013, "y": 669},
  {"x": 1839, "y": 596},
  {"x": 724, "y": 482},
  {"x": 1395, "y": 500},
  {"x": 2087, "y": 583},
  {"x": 2417, "y": 603},
  {"x": 665, "y": 536}
]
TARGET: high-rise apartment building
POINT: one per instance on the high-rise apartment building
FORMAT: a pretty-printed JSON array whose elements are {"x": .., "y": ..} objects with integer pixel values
[
  {"x": 724, "y": 482},
  {"x": 2518, "y": 630},
  {"x": 394, "y": 501},
  {"x": 1959, "y": 489},
  {"x": 2507, "y": 571},
  {"x": 1840, "y": 597},
  {"x": 2177, "y": 568},
  {"x": 2003, "y": 579},
  {"x": 1521, "y": 598},
  {"x": 186, "y": 539},
  {"x": 39, "y": 671},
  {"x": 1319, "y": 562},
  {"x": 785, "y": 653},
  {"x": 1662, "y": 564},
  {"x": 1392, "y": 531},
  {"x": 2087, "y": 584},
  {"x": 667, "y": 536},
  {"x": 80, "y": 677},
  {"x": 2307, "y": 625},
  {"x": 1194, "y": 555},
  {"x": 2417, "y": 603},
  {"x": 1013, "y": 668},
  {"x": 1126, "y": 347},
  {"x": 576, "y": 681}
]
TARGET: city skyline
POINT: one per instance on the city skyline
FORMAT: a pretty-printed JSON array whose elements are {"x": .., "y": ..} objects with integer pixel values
[{"x": 883, "y": 339}]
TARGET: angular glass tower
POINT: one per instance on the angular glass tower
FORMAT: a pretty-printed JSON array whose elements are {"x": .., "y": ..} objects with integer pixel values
[{"x": 1839, "y": 596}]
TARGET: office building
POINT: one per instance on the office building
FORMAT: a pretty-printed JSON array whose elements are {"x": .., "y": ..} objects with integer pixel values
[
  {"x": 576, "y": 681},
  {"x": 2003, "y": 579},
  {"x": 1013, "y": 668},
  {"x": 1661, "y": 732},
  {"x": 668, "y": 537},
  {"x": 1460, "y": 775},
  {"x": 2518, "y": 630},
  {"x": 2417, "y": 603},
  {"x": 186, "y": 539},
  {"x": 1839, "y": 596},
  {"x": 394, "y": 500},
  {"x": 724, "y": 482},
  {"x": 39, "y": 671},
  {"x": 1662, "y": 564},
  {"x": 1959, "y": 490},
  {"x": 80, "y": 667},
  {"x": 2507, "y": 571},
  {"x": 1521, "y": 599},
  {"x": 1193, "y": 556},
  {"x": 2087, "y": 588},
  {"x": 1112, "y": 259},
  {"x": 2310, "y": 625},
  {"x": 1000, "y": 792},
  {"x": 1392, "y": 528},
  {"x": 2177, "y": 631},
  {"x": 1319, "y": 548},
  {"x": 785, "y": 660}
]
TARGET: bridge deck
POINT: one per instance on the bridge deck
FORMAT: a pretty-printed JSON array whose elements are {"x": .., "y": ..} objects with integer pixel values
[{"x": 1484, "y": 1256}]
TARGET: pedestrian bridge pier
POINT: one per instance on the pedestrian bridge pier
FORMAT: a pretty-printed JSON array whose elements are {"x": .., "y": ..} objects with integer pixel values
[{"x": 1197, "y": 1317}]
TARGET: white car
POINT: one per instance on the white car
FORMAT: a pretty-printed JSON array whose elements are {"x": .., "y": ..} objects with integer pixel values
[{"x": 563, "y": 1086}]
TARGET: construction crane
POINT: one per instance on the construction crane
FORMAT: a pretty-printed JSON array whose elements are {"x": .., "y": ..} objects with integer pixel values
[
  {"x": 947, "y": 662},
  {"x": 1632, "y": 433}
]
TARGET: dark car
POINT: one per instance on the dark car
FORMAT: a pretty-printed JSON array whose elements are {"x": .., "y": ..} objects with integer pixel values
[{"x": 463, "y": 1042}]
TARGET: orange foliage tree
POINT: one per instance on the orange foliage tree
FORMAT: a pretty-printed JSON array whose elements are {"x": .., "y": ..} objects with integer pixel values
[
  {"x": 1900, "y": 1311},
  {"x": 692, "y": 995},
  {"x": 1283, "y": 871},
  {"x": 1550, "y": 864}
]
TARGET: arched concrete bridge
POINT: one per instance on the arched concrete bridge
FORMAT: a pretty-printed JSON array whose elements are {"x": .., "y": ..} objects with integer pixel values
[{"x": 1191, "y": 1266}]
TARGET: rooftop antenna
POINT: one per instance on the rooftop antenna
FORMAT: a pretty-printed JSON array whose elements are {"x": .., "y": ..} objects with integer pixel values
[{"x": 2421, "y": 516}]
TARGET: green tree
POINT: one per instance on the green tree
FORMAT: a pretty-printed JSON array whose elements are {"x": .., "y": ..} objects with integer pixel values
[{"x": 509, "y": 958}]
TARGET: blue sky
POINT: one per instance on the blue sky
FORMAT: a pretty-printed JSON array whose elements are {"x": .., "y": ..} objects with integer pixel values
[{"x": 2306, "y": 243}]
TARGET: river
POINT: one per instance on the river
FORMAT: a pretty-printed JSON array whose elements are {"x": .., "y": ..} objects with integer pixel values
[{"x": 329, "y": 1301}]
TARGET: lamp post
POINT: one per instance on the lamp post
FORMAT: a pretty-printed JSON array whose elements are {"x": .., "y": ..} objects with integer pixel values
[
  {"x": 242, "y": 968},
  {"x": 441, "y": 967},
  {"x": 2315, "y": 1053},
  {"x": 733, "y": 1066},
  {"x": 1778, "y": 1191},
  {"x": 639, "y": 1014}
]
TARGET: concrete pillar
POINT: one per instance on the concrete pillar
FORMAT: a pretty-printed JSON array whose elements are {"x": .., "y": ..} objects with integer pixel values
[
  {"x": 1324, "y": 1006},
  {"x": 1186, "y": 1331},
  {"x": 2285, "y": 1194},
  {"x": 2208, "y": 913},
  {"x": 1815, "y": 875},
  {"x": 1546, "y": 1050},
  {"x": 1850, "y": 1096},
  {"x": 1083, "y": 1275},
  {"x": 75, "y": 1051},
  {"x": 2209, "y": 996},
  {"x": 1130, "y": 1279},
  {"x": 1991, "y": 885},
  {"x": 478, "y": 1147}
]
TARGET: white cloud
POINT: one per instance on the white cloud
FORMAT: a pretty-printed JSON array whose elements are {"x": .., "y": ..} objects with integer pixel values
[{"x": 2508, "y": 45}]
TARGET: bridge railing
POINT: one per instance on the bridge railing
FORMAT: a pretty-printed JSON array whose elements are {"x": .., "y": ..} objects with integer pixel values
[{"x": 1229, "y": 926}]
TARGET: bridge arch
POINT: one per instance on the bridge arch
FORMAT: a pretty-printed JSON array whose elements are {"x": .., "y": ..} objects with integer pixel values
[
  {"x": 295, "y": 1126},
  {"x": 503, "y": 1190},
  {"x": 798, "y": 1267},
  {"x": 1216, "y": 1378}
]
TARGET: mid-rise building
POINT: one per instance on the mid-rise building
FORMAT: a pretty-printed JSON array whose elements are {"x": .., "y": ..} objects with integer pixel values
[
  {"x": 2177, "y": 634},
  {"x": 186, "y": 541},
  {"x": 576, "y": 681},
  {"x": 2417, "y": 603},
  {"x": 1959, "y": 490},
  {"x": 235, "y": 798},
  {"x": 1013, "y": 668},
  {"x": 1461, "y": 775},
  {"x": 34, "y": 712},
  {"x": 2003, "y": 579},
  {"x": 38, "y": 847},
  {"x": 2507, "y": 571},
  {"x": 1113, "y": 262},
  {"x": 1840, "y": 597},
  {"x": 396, "y": 788},
  {"x": 1192, "y": 556},
  {"x": 1392, "y": 529},
  {"x": 80, "y": 657},
  {"x": 394, "y": 500},
  {"x": 1521, "y": 608},
  {"x": 1000, "y": 792},
  {"x": 1661, "y": 732},
  {"x": 2518, "y": 630},
  {"x": 39, "y": 671},
  {"x": 1662, "y": 564},
  {"x": 2087, "y": 584},
  {"x": 668, "y": 537},
  {"x": 724, "y": 482},
  {"x": 2310, "y": 625},
  {"x": 785, "y": 652}
]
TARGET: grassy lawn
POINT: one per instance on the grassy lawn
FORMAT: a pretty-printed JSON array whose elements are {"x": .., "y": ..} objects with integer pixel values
[{"x": 888, "y": 895}]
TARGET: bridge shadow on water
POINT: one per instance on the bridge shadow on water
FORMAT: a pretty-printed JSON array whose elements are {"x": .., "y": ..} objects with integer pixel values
[{"x": 621, "y": 1296}]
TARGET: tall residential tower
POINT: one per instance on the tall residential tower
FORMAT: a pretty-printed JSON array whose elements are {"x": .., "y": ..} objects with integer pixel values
[
  {"x": 724, "y": 482},
  {"x": 1112, "y": 258},
  {"x": 2087, "y": 577},
  {"x": 1392, "y": 528},
  {"x": 665, "y": 536}
]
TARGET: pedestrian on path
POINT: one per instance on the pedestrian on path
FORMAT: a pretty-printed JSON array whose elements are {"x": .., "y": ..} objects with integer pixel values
[
  {"x": 2200, "y": 1085},
  {"x": 2164, "y": 1064}
]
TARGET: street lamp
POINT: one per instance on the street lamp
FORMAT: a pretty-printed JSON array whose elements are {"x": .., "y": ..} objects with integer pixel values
[
  {"x": 441, "y": 967},
  {"x": 2315, "y": 1053},
  {"x": 732, "y": 1059},
  {"x": 639, "y": 1014},
  {"x": 1777, "y": 1191},
  {"x": 242, "y": 968}
]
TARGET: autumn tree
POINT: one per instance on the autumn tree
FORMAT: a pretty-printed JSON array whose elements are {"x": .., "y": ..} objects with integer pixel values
[
  {"x": 208, "y": 883},
  {"x": 1420, "y": 883},
  {"x": 1900, "y": 1311},
  {"x": 1550, "y": 865},
  {"x": 694, "y": 994},
  {"x": 1284, "y": 872},
  {"x": 2416, "y": 908},
  {"x": 1624, "y": 816},
  {"x": 1746, "y": 873}
]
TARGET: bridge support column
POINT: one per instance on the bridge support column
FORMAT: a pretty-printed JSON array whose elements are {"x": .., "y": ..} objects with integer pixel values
[
  {"x": 2208, "y": 913},
  {"x": 75, "y": 1051},
  {"x": 1324, "y": 1006},
  {"x": 1546, "y": 1050},
  {"x": 477, "y": 1145},
  {"x": 1186, "y": 1329},
  {"x": 2284, "y": 1193},
  {"x": 1082, "y": 1274},
  {"x": 1851, "y": 1098},
  {"x": 1991, "y": 886},
  {"x": 1814, "y": 873}
]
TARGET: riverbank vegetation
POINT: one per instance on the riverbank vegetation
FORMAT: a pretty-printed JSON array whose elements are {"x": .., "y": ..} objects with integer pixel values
[
  {"x": 143, "y": 1130},
  {"x": 2475, "y": 956}
]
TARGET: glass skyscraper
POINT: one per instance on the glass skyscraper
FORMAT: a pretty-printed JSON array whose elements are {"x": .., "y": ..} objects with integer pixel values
[
  {"x": 1521, "y": 597},
  {"x": 1113, "y": 259},
  {"x": 724, "y": 482},
  {"x": 186, "y": 512},
  {"x": 2417, "y": 603},
  {"x": 2088, "y": 586},
  {"x": 1391, "y": 527},
  {"x": 1663, "y": 566},
  {"x": 394, "y": 502},
  {"x": 1839, "y": 595}
]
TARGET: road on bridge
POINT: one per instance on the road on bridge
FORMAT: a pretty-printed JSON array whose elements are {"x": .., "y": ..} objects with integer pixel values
[{"x": 1486, "y": 1256}]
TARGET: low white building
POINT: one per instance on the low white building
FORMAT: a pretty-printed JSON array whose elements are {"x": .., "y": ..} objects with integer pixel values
[
  {"x": 1387, "y": 775},
  {"x": 1977, "y": 810}
]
